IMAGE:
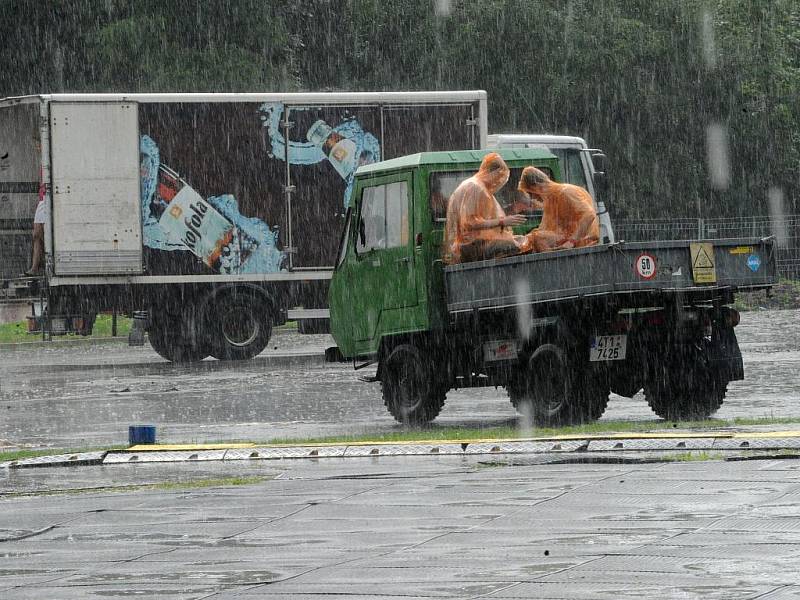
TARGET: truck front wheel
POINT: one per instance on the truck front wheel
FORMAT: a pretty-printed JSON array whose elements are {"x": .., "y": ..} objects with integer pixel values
[
  {"x": 412, "y": 391},
  {"x": 240, "y": 326},
  {"x": 555, "y": 392}
]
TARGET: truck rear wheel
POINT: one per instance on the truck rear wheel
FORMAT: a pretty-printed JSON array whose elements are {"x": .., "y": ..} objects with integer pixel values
[
  {"x": 176, "y": 341},
  {"x": 554, "y": 391},
  {"x": 411, "y": 389},
  {"x": 240, "y": 326},
  {"x": 687, "y": 391}
]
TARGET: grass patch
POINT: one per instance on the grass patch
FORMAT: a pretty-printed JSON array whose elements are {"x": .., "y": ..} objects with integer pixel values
[
  {"x": 22, "y": 454},
  {"x": 165, "y": 485},
  {"x": 16, "y": 332},
  {"x": 202, "y": 483},
  {"x": 435, "y": 433},
  {"x": 691, "y": 456},
  {"x": 102, "y": 326},
  {"x": 784, "y": 295},
  {"x": 12, "y": 333}
]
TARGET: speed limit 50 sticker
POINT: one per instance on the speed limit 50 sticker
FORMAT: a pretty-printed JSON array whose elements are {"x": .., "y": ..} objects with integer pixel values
[{"x": 645, "y": 266}]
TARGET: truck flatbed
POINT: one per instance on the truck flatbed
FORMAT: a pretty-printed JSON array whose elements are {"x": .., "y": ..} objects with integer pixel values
[{"x": 702, "y": 269}]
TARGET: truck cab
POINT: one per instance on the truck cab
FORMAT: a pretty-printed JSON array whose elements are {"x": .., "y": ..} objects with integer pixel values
[{"x": 580, "y": 165}]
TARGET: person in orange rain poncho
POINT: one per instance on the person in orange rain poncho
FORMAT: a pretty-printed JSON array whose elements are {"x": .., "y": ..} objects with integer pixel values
[
  {"x": 477, "y": 227},
  {"x": 569, "y": 219}
]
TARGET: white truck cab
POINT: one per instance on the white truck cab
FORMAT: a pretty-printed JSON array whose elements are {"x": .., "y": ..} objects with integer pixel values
[{"x": 580, "y": 165}]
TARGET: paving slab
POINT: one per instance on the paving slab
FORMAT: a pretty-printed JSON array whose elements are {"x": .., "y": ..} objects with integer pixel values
[{"x": 427, "y": 527}]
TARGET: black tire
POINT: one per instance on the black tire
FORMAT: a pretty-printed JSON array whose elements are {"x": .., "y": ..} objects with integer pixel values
[
  {"x": 240, "y": 324},
  {"x": 170, "y": 340},
  {"x": 555, "y": 391},
  {"x": 691, "y": 391},
  {"x": 412, "y": 391}
]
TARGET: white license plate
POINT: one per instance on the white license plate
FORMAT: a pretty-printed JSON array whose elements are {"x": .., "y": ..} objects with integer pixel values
[
  {"x": 500, "y": 350},
  {"x": 608, "y": 347}
]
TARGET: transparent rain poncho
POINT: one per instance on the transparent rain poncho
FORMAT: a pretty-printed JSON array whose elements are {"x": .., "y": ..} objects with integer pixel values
[
  {"x": 568, "y": 215},
  {"x": 475, "y": 227}
]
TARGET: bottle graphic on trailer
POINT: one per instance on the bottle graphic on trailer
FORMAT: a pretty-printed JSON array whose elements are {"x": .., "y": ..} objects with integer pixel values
[
  {"x": 188, "y": 217},
  {"x": 341, "y": 151}
]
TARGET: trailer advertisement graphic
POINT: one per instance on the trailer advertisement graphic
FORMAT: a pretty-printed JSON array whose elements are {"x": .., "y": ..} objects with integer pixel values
[
  {"x": 175, "y": 217},
  {"x": 214, "y": 176},
  {"x": 347, "y": 146}
]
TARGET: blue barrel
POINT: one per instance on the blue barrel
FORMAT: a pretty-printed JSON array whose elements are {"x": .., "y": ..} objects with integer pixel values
[{"x": 141, "y": 434}]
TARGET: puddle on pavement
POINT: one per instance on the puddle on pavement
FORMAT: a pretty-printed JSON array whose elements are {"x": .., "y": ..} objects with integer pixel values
[{"x": 229, "y": 577}]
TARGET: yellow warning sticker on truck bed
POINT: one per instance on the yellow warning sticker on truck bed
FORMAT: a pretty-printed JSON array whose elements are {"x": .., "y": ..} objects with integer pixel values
[{"x": 703, "y": 269}]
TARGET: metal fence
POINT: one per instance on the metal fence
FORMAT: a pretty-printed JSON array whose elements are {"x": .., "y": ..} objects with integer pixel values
[{"x": 786, "y": 229}]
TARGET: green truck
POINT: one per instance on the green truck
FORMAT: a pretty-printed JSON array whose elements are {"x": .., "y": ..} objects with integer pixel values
[{"x": 558, "y": 330}]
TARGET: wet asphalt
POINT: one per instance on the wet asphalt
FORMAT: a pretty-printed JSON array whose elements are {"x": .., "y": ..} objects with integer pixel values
[
  {"x": 86, "y": 395},
  {"x": 380, "y": 527}
]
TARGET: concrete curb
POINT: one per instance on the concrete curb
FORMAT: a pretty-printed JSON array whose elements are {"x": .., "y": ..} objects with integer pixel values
[
  {"x": 578, "y": 447},
  {"x": 58, "y": 341},
  {"x": 159, "y": 364},
  {"x": 88, "y": 340}
]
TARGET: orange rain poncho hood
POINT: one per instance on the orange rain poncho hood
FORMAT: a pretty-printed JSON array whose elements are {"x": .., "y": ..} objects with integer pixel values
[{"x": 472, "y": 204}]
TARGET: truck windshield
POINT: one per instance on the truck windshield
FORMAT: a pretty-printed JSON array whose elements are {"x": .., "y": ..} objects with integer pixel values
[
  {"x": 570, "y": 159},
  {"x": 443, "y": 184}
]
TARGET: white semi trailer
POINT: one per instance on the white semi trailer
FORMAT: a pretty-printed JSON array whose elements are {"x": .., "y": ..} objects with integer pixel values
[{"x": 217, "y": 215}]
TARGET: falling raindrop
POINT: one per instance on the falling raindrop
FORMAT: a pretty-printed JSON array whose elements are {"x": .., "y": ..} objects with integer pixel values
[
  {"x": 709, "y": 44},
  {"x": 442, "y": 8},
  {"x": 523, "y": 308},
  {"x": 719, "y": 170},
  {"x": 777, "y": 216}
]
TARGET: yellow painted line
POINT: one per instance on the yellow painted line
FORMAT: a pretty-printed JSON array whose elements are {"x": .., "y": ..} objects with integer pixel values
[{"x": 767, "y": 434}]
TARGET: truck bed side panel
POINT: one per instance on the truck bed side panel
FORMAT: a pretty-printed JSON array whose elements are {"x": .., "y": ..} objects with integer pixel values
[{"x": 607, "y": 270}]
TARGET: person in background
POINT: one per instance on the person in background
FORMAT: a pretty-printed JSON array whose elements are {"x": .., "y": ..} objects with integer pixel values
[
  {"x": 477, "y": 228},
  {"x": 569, "y": 219},
  {"x": 40, "y": 220}
]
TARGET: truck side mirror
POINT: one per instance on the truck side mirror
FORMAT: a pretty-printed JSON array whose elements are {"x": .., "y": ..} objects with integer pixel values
[
  {"x": 600, "y": 177},
  {"x": 600, "y": 180},
  {"x": 599, "y": 162}
]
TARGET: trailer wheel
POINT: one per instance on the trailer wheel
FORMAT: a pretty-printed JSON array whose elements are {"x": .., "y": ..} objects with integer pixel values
[
  {"x": 240, "y": 325},
  {"x": 554, "y": 391},
  {"x": 412, "y": 391},
  {"x": 688, "y": 391},
  {"x": 168, "y": 338}
]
